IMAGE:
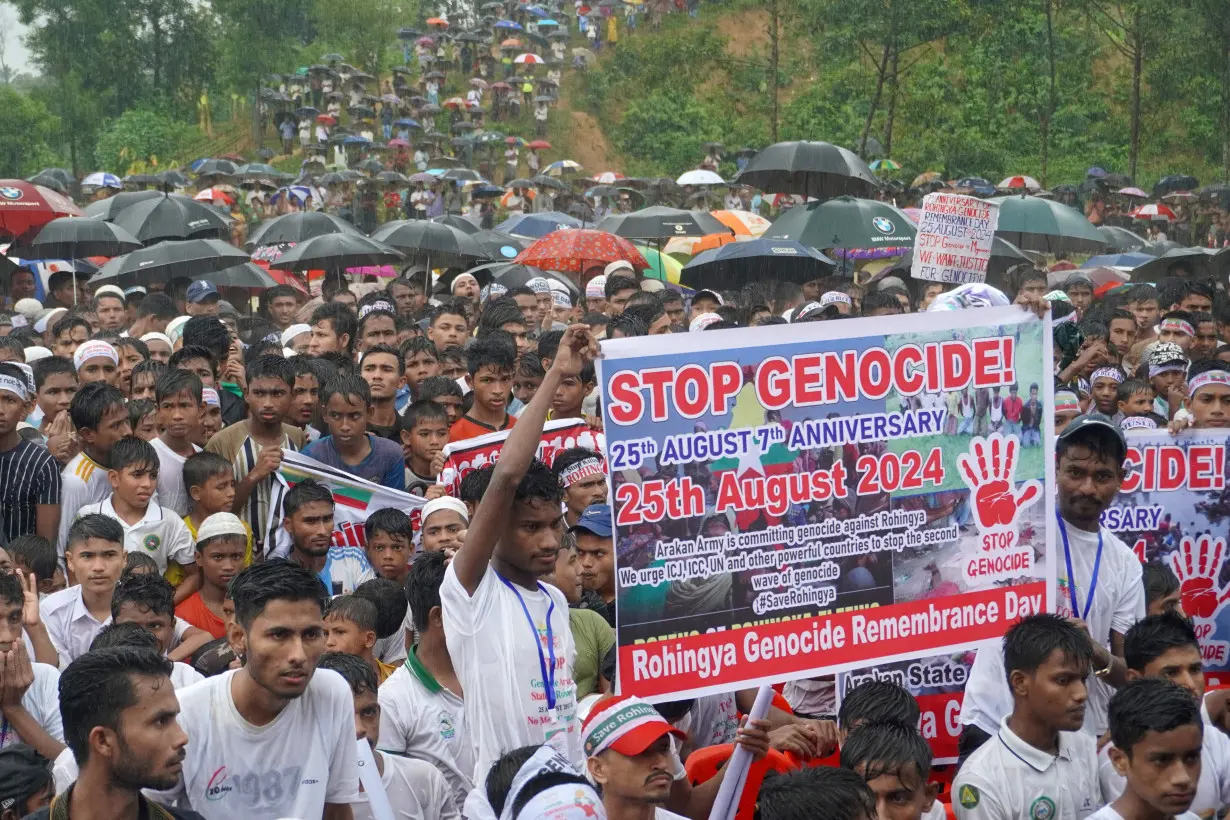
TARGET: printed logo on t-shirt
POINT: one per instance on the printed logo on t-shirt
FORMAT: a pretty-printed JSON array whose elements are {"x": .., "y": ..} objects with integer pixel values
[
  {"x": 152, "y": 542},
  {"x": 447, "y": 730},
  {"x": 968, "y": 796},
  {"x": 1042, "y": 809},
  {"x": 271, "y": 789},
  {"x": 216, "y": 788}
]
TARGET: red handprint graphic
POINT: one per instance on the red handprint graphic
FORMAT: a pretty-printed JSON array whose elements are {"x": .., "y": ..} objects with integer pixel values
[
  {"x": 988, "y": 468},
  {"x": 1197, "y": 564}
]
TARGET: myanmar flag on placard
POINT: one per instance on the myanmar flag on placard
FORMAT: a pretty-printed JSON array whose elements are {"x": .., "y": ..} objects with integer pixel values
[{"x": 777, "y": 460}]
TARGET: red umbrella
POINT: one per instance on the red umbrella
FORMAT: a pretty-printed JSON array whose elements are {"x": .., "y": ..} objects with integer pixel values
[
  {"x": 540, "y": 145},
  {"x": 1154, "y": 210},
  {"x": 573, "y": 250},
  {"x": 24, "y": 206},
  {"x": 282, "y": 277}
]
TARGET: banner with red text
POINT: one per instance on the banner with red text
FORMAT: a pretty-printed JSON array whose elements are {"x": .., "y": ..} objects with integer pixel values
[
  {"x": 806, "y": 499},
  {"x": 1174, "y": 508},
  {"x": 463, "y": 457}
]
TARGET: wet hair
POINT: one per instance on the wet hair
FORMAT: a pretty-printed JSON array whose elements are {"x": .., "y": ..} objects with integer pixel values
[
  {"x": 448, "y": 307},
  {"x": 530, "y": 366},
  {"x": 1141, "y": 292},
  {"x": 1174, "y": 290},
  {"x": 98, "y": 686},
  {"x": 14, "y": 346},
  {"x": 35, "y": 553},
  {"x": 305, "y": 492},
  {"x": 390, "y": 520},
  {"x": 388, "y": 314},
  {"x": 420, "y": 411},
  {"x": 134, "y": 561},
  {"x": 189, "y": 352},
  {"x": 1151, "y": 637},
  {"x": 66, "y": 324},
  {"x": 340, "y": 317},
  {"x": 203, "y": 466},
  {"x": 149, "y": 367},
  {"x": 390, "y": 601},
  {"x": 1130, "y": 387},
  {"x": 136, "y": 344},
  {"x": 503, "y": 311},
  {"x": 616, "y": 284},
  {"x": 539, "y": 484},
  {"x": 1204, "y": 366},
  {"x": 275, "y": 580},
  {"x": 11, "y": 591},
  {"x": 388, "y": 350},
  {"x": 271, "y": 367},
  {"x": 131, "y": 451},
  {"x": 139, "y": 409},
  {"x": 818, "y": 793},
  {"x": 93, "y": 401},
  {"x": 49, "y": 366},
  {"x": 496, "y": 349},
  {"x": 176, "y": 381},
  {"x": 877, "y": 701},
  {"x": 419, "y": 344},
  {"x": 357, "y": 672},
  {"x": 1032, "y": 640},
  {"x": 1150, "y": 705},
  {"x": 887, "y": 748},
  {"x": 423, "y": 586},
  {"x": 1159, "y": 580},
  {"x": 130, "y": 635},
  {"x": 880, "y": 299},
  {"x": 647, "y": 311},
  {"x": 210, "y": 333},
  {"x": 152, "y": 592},
  {"x": 359, "y": 611},
  {"x": 548, "y": 344},
  {"x": 94, "y": 525},
  {"x": 435, "y": 386},
  {"x": 349, "y": 387},
  {"x": 573, "y": 455},
  {"x": 628, "y": 326},
  {"x": 475, "y": 484},
  {"x": 158, "y": 305}
]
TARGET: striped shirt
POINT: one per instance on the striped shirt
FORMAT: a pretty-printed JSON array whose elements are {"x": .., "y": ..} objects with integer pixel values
[
  {"x": 242, "y": 451},
  {"x": 29, "y": 476},
  {"x": 83, "y": 481}
]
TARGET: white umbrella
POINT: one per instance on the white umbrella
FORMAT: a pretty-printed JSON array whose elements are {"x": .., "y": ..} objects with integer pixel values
[{"x": 700, "y": 177}]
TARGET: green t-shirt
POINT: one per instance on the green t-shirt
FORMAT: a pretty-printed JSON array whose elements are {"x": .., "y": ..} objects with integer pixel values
[{"x": 593, "y": 637}]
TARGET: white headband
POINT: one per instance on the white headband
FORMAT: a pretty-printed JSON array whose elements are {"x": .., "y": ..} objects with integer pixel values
[
  {"x": 210, "y": 396},
  {"x": 94, "y": 349},
  {"x": 445, "y": 502},
  {"x": 580, "y": 471},
  {"x": 158, "y": 337},
  {"x": 596, "y": 289},
  {"x": 1159, "y": 369},
  {"x": 560, "y": 299},
  {"x": 375, "y": 306},
  {"x": 1137, "y": 423},
  {"x": 293, "y": 331},
  {"x": 703, "y": 321},
  {"x": 1207, "y": 378},
  {"x": 834, "y": 297},
  {"x": 1113, "y": 373},
  {"x": 15, "y": 385}
]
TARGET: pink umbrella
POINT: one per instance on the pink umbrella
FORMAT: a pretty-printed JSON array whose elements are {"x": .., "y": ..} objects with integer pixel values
[
  {"x": 398, "y": 142},
  {"x": 385, "y": 271},
  {"x": 1133, "y": 192},
  {"x": 1154, "y": 210}
]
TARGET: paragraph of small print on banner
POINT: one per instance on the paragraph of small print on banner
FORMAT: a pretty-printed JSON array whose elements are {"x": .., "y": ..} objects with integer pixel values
[
  {"x": 953, "y": 243},
  {"x": 1174, "y": 508},
  {"x": 808, "y": 499}
]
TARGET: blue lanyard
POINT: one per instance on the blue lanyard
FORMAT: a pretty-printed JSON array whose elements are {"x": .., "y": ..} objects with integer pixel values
[
  {"x": 1093, "y": 581},
  {"x": 548, "y": 678}
]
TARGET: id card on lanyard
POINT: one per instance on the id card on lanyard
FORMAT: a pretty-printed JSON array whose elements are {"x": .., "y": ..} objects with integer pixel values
[
  {"x": 1093, "y": 580},
  {"x": 546, "y": 660}
]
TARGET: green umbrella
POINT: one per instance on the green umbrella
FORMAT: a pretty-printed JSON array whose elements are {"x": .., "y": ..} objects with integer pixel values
[
  {"x": 845, "y": 222},
  {"x": 1034, "y": 224}
]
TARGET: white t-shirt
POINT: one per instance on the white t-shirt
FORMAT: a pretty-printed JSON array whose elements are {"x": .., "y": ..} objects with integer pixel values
[
  {"x": 82, "y": 481},
  {"x": 415, "y": 789},
  {"x": 42, "y": 701},
  {"x": 171, "y": 492},
  {"x": 1007, "y": 779},
  {"x": 1118, "y": 602},
  {"x": 183, "y": 676},
  {"x": 712, "y": 720},
  {"x": 290, "y": 767},
  {"x": 160, "y": 534},
  {"x": 421, "y": 719},
  {"x": 496, "y": 657},
  {"x": 1108, "y": 813}
]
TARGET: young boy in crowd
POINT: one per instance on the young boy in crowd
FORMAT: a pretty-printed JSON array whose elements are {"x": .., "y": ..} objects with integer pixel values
[
  {"x": 1157, "y": 733},
  {"x": 198, "y": 360},
  {"x": 1043, "y": 764},
  {"x": 1208, "y": 394},
  {"x": 350, "y": 627},
  {"x": 896, "y": 763},
  {"x": 415, "y": 789},
  {"x": 210, "y": 483},
  {"x": 149, "y": 528},
  {"x": 448, "y": 326},
  {"x": 490, "y": 362},
  {"x": 424, "y": 432},
  {"x": 877, "y": 701},
  {"x": 1134, "y": 399},
  {"x": 422, "y": 362},
  {"x": 1104, "y": 384},
  {"x": 571, "y": 393},
  {"x": 94, "y": 553},
  {"x": 144, "y": 377},
  {"x": 178, "y": 394},
  {"x": 37, "y": 557},
  {"x": 583, "y": 478},
  {"x": 444, "y": 392},
  {"x": 211, "y": 417},
  {"x": 334, "y": 328},
  {"x": 526, "y": 378},
  {"x": 222, "y": 544},
  {"x": 146, "y": 600},
  {"x": 382, "y": 368},
  {"x": 389, "y": 544},
  {"x": 349, "y": 446},
  {"x": 143, "y": 418},
  {"x": 453, "y": 363},
  {"x": 55, "y": 384},
  {"x": 1165, "y": 647},
  {"x": 1166, "y": 370},
  {"x": 100, "y": 420},
  {"x": 443, "y": 521},
  {"x": 1176, "y": 328},
  {"x": 1143, "y": 302}
]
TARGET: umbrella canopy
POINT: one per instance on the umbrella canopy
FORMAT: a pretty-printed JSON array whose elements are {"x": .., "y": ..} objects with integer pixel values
[
  {"x": 700, "y": 176},
  {"x": 70, "y": 237},
  {"x": 106, "y": 208},
  {"x": 1118, "y": 260},
  {"x": 101, "y": 179},
  {"x": 140, "y": 179},
  {"x": 173, "y": 178},
  {"x": 884, "y": 165},
  {"x": 24, "y": 206},
  {"x": 433, "y": 243},
  {"x": 743, "y": 223},
  {"x": 540, "y": 145},
  {"x": 158, "y": 263},
  {"x": 562, "y": 167},
  {"x": 528, "y": 59},
  {"x": 247, "y": 275},
  {"x": 63, "y": 176},
  {"x": 1153, "y": 210},
  {"x": 538, "y": 225},
  {"x": 1121, "y": 239},
  {"x": 845, "y": 222},
  {"x": 816, "y": 169},
  {"x": 1135, "y": 193},
  {"x": 1103, "y": 278},
  {"x": 512, "y": 275},
  {"x": 336, "y": 251},
  {"x": 171, "y": 216},
  {"x": 1019, "y": 182},
  {"x": 215, "y": 167},
  {"x": 574, "y": 250},
  {"x": 1174, "y": 182},
  {"x": 1184, "y": 262},
  {"x": 298, "y": 227},
  {"x": 459, "y": 222},
  {"x": 500, "y": 246},
  {"x": 661, "y": 223},
  {"x": 1035, "y": 224},
  {"x": 541, "y": 181},
  {"x": 737, "y": 263}
]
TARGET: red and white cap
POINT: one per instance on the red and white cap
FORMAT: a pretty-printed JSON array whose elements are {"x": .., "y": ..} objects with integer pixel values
[{"x": 627, "y": 724}]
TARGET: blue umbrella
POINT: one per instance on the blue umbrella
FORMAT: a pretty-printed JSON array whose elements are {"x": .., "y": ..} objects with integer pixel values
[
  {"x": 355, "y": 139},
  {"x": 1095, "y": 172},
  {"x": 406, "y": 122},
  {"x": 542, "y": 23},
  {"x": 737, "y": 263},
  {"x": 101, "y": 179},
  {"x": 300, "y": 193},
  {"x": 509, "y": 24},
  {"x": 1118, "y": 260},
  {"x": 537, "y": 11},
  {"x": 536, "y": 226}
]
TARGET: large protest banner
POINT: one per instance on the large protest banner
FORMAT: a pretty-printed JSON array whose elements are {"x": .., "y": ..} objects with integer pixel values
[
  {"x": 1174, "y": 507},
  {"x": 814, "y": 498},
  {"x": 463, "y": 457},
  {"x": 953, "y": 243}
]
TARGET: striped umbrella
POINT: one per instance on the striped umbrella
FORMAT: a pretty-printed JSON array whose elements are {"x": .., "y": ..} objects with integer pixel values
[{"x": 102, "y": 179}]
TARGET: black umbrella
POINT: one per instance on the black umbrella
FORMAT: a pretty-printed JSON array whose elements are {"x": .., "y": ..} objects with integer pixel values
[
  {"x": 49, "y": 181},
  {"x": 140, "y": 179},
  {"x": 735, "y": 264},
  {"x": 1174, "y": 182},
  {"x": 258, "y": 170},
  {"x": 336, "y": 252},
  {"x": 816, "y": 169},
  {"x": 1184, "y": 262},
  {"x": 172, "y": 216},
  {"x": 445, "y": 162},
  {"x": 62, "y": 176},
  {"x": 462, "y": 174},
  {"x": 298, "y": 227},
  {"x": 516, "y": 276},
  {"x": 542, "y": 181},
  {"x": 216, "y": 167},
  {"x": 1121, "y": 239},
  {"x": 247, "y": 275},
  {"x": 661, "y": 223},
  {"x": 431, "y": 243},
  {"x": 392, "y": 178},
  {"x": 459, "y": 222},
  {"x": 333, "y": 178},
  {"x": 371, "y": 166},
  {"x": 159, "y": 263},
  {"x": 307, "y": 112},
  {"x": 71, "y": 236},
  {"x": 106, "y": 208},
  {"x": 500, "y": 246}
]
